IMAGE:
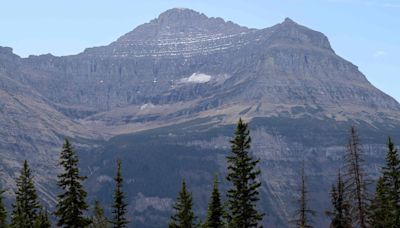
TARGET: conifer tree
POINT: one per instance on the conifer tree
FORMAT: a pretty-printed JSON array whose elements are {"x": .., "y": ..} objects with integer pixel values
[
  {"x": 184, "y": 216},
  {"x": 42, "y": 221},
  {"x": 380, "y": 215},
  {"x": 340, "y": 215},
  {"x": 303, "y": 213},
  {"x": 391, "y": 182},
  {"x": 355, "y": 181},
  {"x": 119, "y": 206},
  {"x": 98, "y": 218},
  {"x": 215, "y": 209},
  {"x": 25, "y": 209},
  {"x": 242, "y": 174},
  {"x": 3, "y": 211},
  {"x": 71, "y": 202}
]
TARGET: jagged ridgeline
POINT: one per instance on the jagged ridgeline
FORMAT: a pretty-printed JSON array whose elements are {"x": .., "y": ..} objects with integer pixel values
[{"x": 165, "y": 99}]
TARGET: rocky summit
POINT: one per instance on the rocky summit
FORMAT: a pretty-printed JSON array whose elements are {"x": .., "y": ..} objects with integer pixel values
[{"x": 165, "y": 97}]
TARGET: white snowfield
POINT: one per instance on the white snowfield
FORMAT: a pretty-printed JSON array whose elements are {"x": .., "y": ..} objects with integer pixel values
[
  {"x": 197, "y": 78},
  {"x": 146, "y": 106}
]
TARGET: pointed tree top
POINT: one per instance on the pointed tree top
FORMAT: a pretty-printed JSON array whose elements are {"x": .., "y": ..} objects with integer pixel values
[
  {"x": 183, "y": 184},
  {"x": 241, "y": 122},
  {"x": 391, "y": 144},
  {"x": 66, "y": 142},
  {"x": 25, "y": 164}
]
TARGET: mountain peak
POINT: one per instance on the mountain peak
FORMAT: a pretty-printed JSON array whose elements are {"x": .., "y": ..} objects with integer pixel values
[
  {"x": 288, "y": 21},
  {"x": 180, "y": 14},
  {"x": 181, "y": 22},
  {"x": 181, "y": 17},
  {"x": 181, "y": 31},
  {"x": 290, "y": 33}
]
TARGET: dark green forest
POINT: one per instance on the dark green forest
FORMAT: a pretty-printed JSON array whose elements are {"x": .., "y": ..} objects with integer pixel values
[{"x": 353, "y": 203}]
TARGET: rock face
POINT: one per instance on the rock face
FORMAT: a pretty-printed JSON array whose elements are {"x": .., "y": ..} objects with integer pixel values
[
  {"x": 31, "y": 127},
  {"x": 178, "y": 84}
]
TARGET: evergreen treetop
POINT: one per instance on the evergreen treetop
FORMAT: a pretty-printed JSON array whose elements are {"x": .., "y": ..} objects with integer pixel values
[
  {"x": 391, "y": 181},
  {"x": 184, "y": 216},
  {"x": 385, "y": 208},
  {"x": 98, "y": 219},
  {"x": 242, "y": 174},
  {"x": 26, "y": 207},
  {"x": 71, "y": 204},
  {"x": 215, "y": 208},
  {"x": 380, "y": 214},
  {"x": 119, "y": 206}
]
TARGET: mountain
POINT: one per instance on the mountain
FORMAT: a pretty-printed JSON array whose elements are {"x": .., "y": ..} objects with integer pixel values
[{"x": 165, "y": 97}]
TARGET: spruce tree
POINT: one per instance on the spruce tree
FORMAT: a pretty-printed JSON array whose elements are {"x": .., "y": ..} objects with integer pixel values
[
  {"x": 355, "y": 181},
  {"x": 340, "y": 215},
  {"x": 98, "y": 218},
  {"x": 184, "y": 216},
  {"x": 25, "y": 209},
  {"x": 242, "y": 174},
  {"x": 3, "y": 211},
  {"x": 71, "y": 204},
  {"x": 42, "y": 221},
  {"x": 380, "y": 214},
  {"x": 215, "y": 209},
  {"x": 119, "y": 206},
  {"x": 391, "y": 182},
  {"x": 303, "y": 214}
]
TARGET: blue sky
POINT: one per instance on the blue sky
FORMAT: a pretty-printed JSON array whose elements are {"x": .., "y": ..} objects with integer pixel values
[{"x": 365, "y": 32}]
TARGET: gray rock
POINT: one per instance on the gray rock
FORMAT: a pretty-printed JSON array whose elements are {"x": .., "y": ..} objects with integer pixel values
[{"x": 186, "y": 69}]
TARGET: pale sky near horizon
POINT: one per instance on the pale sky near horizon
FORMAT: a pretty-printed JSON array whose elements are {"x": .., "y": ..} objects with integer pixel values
[{"x": 365, "y": 32}]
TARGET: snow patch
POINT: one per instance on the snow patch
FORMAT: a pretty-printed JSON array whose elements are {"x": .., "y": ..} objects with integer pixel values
[
  {"x": 197, "y": 78},
  {"x": 147, "y": 105}
]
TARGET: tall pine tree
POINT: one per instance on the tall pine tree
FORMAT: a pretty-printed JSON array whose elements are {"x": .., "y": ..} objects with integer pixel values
[
  {"x": 303, "y": 214},
  {"x": 380, "y": 214},
  {"x": 242, "y": 174},
  {"x": 341, "y": 209},
  {"x": 26, "y": 207},
  {"x": 119, "y": 206},
  {"x": 71, "y": 202},
  {"x": 391, "y": 181},
  {"x": 3, "y": 211},
  {"x": 184, "y": 216},
  {"x": 355, "y": 181},
  {"x": 98, "y": 219},
  {"x": 385, "y": 208},
  {"x": 215, "y": 208}
]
